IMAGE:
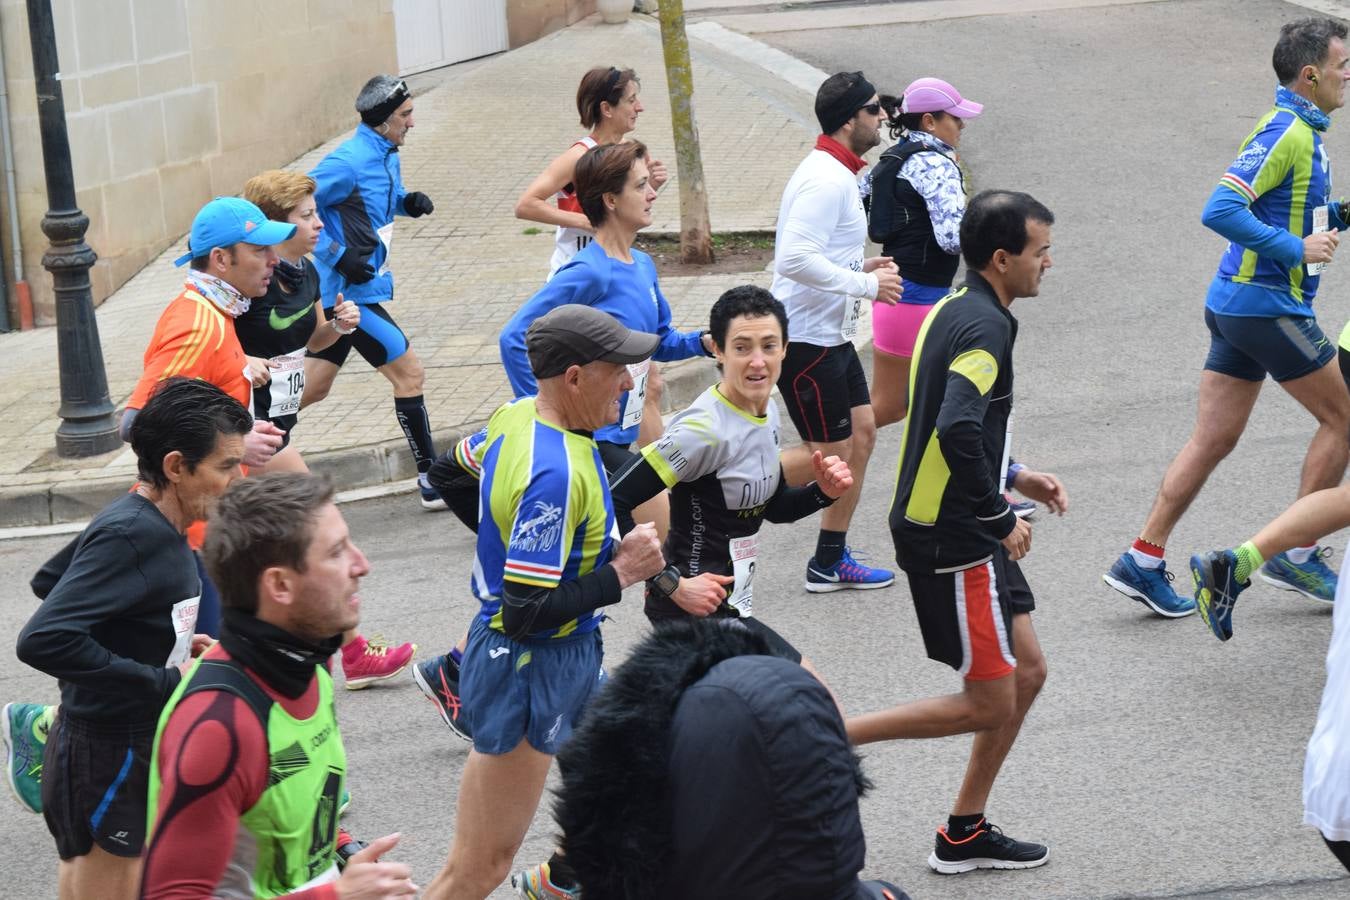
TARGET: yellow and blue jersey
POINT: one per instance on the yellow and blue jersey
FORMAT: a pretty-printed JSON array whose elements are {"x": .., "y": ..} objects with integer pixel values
[
  {"x": 545, "y": 514},
  {"x": 1264, "y": 204}
]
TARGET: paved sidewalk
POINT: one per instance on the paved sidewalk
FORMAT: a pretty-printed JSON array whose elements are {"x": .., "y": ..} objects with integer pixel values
[{"x": 482, "y": 134}]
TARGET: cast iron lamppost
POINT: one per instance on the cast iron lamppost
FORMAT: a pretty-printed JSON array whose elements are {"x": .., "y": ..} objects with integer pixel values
[{"x": 87, "y": 426}]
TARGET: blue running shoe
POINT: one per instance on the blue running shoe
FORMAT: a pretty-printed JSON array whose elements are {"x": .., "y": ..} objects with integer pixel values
[
  {"x": 1313, "y": 579},
  {"x": 430, "y": 499},
  {"x": 24, "y": 728},
  {"x": 534, "y": 884},
  {"x": 845, "y": 574},
  {"x": 1151, "y": 587},
  {"x": 1216, "y": 590}
]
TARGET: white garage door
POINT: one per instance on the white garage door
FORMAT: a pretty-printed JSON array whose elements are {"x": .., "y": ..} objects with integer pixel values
[{"x": 434, "y": 33}]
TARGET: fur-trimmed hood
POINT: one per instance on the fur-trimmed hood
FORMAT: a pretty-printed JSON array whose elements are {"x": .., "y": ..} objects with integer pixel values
[{"x": 707, "y": 767}]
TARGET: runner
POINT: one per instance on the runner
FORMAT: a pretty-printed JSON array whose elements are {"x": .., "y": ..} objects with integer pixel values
[
  {"x": 359, "y": 192},
  {"x": 821, "y": 278},
  {"x": 248, "y": 764},
  {"x": 276, "y": 329},
  {"x": 955, "y": 535},
  {"x": 117, "y": 628},
  {"x": 614, "y": 189},
  {"x": 1259, "y": 312},
  {"x": 547, "y": 566},
  {"x": 918, "y": 199},
  {"x": 608, "y": 104}
]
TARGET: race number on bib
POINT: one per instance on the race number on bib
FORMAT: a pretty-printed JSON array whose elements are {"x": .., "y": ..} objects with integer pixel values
[
  {"x": 288, "y": 383},
  {"x": 1321, "y": 223},
  {"x": 184, "y": 617},
  {"x": 852, "y": 310},
  {"x": 743, "y": 553},
  {"x": 632, "y": 407},
  {"x": 387, "y": 238}
]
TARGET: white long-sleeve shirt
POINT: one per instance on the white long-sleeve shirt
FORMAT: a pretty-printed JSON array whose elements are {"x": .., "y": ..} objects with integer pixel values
[
  {"x": 1326, "y": 792},
  {"x": 818, "y": 252}
]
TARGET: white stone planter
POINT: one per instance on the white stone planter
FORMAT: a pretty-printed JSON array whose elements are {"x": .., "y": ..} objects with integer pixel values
[{"x": 615, "y": 12}]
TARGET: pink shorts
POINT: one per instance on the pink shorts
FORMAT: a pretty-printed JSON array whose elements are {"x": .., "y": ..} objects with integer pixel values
[{"x": 896, "y": 326}]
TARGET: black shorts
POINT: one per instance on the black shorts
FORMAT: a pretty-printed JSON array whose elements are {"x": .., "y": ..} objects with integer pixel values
[
  {"x": 778, "y": 645},
  {"x": 1343, "y": 359},
  {"x": 966, "y": 616},
  {"x": 95, "y": 786},
  {"x": 821, "y": 385},
  {"x": 614, "y": 456},
  {"x": 379, "y": 340}
]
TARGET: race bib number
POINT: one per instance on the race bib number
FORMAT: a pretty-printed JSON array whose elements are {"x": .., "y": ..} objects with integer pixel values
[
  {"x": 386, "y": 234},
  {"x": 637, "y": 397},
  {"x": 1321, "y": 223},
  {"x": 852, "y": 311},
  {"x": 184, "y": 617},
  {"x": 743, "y": 553},
  {"x": 288, "y": 383}
]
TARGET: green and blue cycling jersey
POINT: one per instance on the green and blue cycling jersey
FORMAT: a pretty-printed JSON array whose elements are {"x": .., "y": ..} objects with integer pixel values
[
  {"x": 545, "y": 517},
  {"x": 1264, "y": 205}
]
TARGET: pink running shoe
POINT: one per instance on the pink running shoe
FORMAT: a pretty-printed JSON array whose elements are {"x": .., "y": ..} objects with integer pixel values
[{"x": 368, "y": 660}]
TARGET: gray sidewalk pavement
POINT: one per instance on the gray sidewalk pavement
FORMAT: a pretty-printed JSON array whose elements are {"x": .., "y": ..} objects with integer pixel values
[{"x": 483, "y": 131}]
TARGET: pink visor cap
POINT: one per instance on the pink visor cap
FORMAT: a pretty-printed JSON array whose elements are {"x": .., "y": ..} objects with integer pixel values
[{"x": 936, "y": 95}]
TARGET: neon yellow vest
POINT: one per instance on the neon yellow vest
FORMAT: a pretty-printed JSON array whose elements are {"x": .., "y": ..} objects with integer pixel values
[{"x": 289, "y": 837}]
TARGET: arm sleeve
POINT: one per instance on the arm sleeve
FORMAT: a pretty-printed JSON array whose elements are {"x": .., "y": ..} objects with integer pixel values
[
  {"x": 52, "y": 570},
  {"x": 788, "y": 504},
  {"x": 334, "y": 180},
  {"x": 213, "y": 763},
  {"x": 457, "y": 477},
  {"x": 801, "y": 248},
  {"x": 526, "y": 610},
  {"x": 970, "y": 378},
  {"x": 573, "y": 283},
  {"x": 633, "y": 485},
  {"x": 674, "y": 344},
  {"x": 937, "y": 179},
  {"x": 1263, "y": 164},
  {"x": 101, "y": 582}
]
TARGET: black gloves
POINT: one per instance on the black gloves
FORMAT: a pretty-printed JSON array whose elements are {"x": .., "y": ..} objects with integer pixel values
[
  {"x": 416, "y": 203},
  {"x": 353, "y": 268}
]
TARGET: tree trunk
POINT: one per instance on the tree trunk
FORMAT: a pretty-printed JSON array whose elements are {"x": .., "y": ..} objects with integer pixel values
[{"x": 695, "y": 229}]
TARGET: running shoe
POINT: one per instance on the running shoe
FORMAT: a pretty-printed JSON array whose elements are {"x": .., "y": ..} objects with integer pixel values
[
  {"x": 533, "y": 884},
  {"x": 438, "y": 679},
  {"x": 1216, "y": 590},
  {"x": 25, "y": 730},
  {"x": 1023, "y": 509},
  {"x": 430, "y": 499},
  {"x": 379, "y": 660},
  {"x": 846, "y": 574},
  {"x": 1151, "y": 587},
  {"x": 1313, "y": 579},
  {"x": 345, "y": 803},
  {"x": 988, "y": 848}
]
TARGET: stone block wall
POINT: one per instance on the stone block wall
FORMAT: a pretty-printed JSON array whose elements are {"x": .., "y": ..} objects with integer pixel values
[{"x": 172, "y": 102}]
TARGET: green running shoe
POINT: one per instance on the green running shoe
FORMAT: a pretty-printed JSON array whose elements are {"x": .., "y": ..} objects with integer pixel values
[
  {"x": 25, "y": 728},
  {"x": 345, "y": 803},
  {"x": 1313, "y": 579}
]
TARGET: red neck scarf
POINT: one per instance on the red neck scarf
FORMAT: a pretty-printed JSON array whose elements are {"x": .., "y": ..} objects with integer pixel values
[{"x": 852, "y": 161}]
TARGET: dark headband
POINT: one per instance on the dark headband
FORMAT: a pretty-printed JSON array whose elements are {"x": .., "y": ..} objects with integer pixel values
[
  {"x": 377, "y": 114},
  {"x": 611, "y": 82},
  {"x": 838, "y": 113}
]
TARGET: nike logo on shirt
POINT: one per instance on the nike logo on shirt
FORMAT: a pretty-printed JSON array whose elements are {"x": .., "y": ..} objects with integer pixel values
[{"x": 281, "y": 323}]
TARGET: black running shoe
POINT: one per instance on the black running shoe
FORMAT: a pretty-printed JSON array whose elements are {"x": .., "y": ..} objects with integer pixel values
[
  {"x": 988, "y": 848},
  {"x": 438, "y": 679}
]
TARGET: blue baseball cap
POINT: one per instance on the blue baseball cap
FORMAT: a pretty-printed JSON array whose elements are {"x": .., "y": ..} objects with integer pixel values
[{"x": 231, "y": 220}]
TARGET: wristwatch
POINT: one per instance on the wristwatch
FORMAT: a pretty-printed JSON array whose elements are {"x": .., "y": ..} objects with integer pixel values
[{"x": 666, "y": 581}]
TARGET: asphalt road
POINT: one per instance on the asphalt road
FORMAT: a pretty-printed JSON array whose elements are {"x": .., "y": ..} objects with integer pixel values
[{"x": 1158, "y": 763}]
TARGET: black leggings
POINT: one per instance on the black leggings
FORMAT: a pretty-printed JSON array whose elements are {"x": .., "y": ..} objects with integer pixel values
[{"x": 1341, "y": 849}]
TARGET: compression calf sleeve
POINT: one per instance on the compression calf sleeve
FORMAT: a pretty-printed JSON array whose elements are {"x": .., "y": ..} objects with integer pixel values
[{"x": 412, "y": 418}]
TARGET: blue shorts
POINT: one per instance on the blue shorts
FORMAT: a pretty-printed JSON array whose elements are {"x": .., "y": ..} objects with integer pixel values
[
  {"x": 1249, "y": 347},
  {"x": 536, "y": 690}
]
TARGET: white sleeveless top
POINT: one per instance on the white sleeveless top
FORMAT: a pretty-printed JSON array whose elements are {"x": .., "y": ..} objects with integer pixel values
[{"x": 569, "y": 241}]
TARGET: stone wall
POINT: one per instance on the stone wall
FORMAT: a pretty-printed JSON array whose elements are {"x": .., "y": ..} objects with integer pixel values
[
  {"x": 529, "y": 20},
  {"x": 172, "y": 102}
]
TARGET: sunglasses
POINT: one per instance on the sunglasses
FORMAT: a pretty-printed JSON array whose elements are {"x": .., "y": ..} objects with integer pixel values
[{"x": 872, "y": 109}]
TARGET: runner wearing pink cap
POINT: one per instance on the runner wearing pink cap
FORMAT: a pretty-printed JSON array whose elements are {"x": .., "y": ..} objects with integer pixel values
[{"x": 918, "y": 200}]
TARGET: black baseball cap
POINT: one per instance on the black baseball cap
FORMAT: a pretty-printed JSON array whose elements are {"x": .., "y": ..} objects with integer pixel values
[{"x": 574, "y": 335}]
